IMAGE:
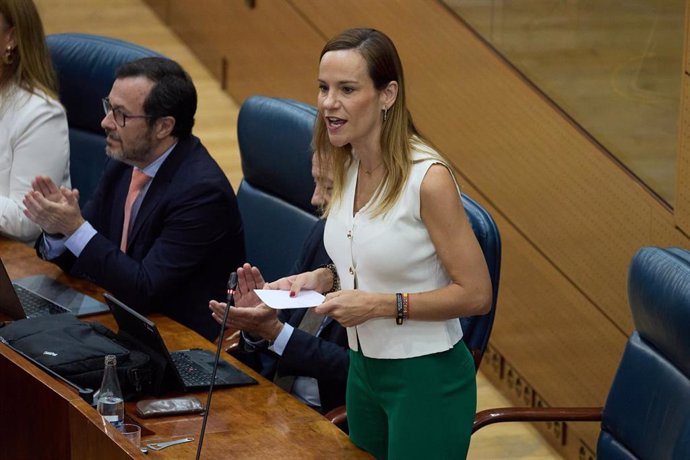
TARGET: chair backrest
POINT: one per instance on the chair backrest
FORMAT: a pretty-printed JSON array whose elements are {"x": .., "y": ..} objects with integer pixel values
[
  {"x": 477, "y": 329},
  {"x": 647, "y": 412},
  {"x": 85, "y": 66},
  {"x": 274, "y": 197}
]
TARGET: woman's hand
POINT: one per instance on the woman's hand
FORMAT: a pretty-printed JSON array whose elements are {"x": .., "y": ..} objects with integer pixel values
[
  {"x": 354, "y": 307},
  {"x": 316, "y": 280}
]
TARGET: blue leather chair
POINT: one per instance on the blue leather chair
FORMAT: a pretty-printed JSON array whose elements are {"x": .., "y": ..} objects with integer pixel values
[
  {"x": 85, "y": 66},
  {"x": 477, "y": 329},
  {"x": 647, "y": 411},
  {"x": 274, "y": 197}
]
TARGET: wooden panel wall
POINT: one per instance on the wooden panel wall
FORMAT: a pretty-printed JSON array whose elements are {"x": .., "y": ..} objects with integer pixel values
[
  {"x": 683, "y": 173},
  {"x": 570, "y": 217},
  {"x": 160, "y": 7},
  {"x": 269, "y": 49}
]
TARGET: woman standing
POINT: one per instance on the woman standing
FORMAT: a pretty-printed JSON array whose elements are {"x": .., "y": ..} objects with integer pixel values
[
  {"x": 408, "y": 262},
  {"x": 33, "y": 125}
]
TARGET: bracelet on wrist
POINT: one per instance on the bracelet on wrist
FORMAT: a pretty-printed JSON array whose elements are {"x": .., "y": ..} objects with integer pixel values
[
  {"x": 399, "y": 309},
  {"x": 402, "y": 307},
  {"x": 336, "y": 279}
]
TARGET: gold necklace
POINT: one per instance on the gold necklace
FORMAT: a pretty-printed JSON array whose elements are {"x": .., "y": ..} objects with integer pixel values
[{"x": 368, "y": 172}]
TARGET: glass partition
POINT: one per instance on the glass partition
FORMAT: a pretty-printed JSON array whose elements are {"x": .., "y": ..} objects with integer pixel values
[{"x": 615, "y": 67}]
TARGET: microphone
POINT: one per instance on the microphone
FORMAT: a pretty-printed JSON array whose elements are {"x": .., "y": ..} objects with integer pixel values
[{"x": 232, "y": 286}]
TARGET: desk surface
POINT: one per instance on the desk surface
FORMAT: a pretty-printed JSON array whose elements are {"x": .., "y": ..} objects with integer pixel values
[{"x": 258, "y": 421}]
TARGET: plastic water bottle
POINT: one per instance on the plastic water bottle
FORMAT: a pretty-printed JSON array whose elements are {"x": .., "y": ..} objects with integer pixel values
[{"x": 110, "y": 403}]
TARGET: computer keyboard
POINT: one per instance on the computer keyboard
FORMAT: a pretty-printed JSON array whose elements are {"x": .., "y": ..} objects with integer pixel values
[
  {"x": 192, "y": 374},
  {"x": 35, "y": 305}
]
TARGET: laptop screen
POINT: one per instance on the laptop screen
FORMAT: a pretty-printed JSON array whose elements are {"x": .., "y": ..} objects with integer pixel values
[
  {"x": 62, "y": 297},
  {"x": 10, "y": 307},
  {"x": 186, "y": 378},
  {"x": 137, "y": 326}
]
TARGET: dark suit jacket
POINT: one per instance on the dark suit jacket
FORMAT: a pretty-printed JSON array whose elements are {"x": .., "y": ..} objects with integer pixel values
[
  {"x": 185, "y": 241},
  {"x": 325, "y": 357}
]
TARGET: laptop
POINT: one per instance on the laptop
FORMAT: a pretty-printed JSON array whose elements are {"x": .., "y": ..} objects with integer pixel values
[
  {"x": 185, "y": 370},
  {"x": 41, "y": 295}
]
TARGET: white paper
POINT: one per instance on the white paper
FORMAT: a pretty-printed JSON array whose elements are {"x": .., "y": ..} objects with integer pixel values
[{"x": 281, "y": 300}]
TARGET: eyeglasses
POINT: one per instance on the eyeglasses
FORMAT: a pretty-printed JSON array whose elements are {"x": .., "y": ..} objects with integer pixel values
[{"x": 118, "y": 115}]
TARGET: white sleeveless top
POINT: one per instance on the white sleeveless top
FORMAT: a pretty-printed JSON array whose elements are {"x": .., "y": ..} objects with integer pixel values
[{"x": 390, "y": 253}]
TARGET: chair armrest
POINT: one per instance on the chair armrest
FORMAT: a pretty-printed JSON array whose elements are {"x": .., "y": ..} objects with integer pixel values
[
  {"x": 536, "y": 414},
  {"x": 337, "y": 416}
]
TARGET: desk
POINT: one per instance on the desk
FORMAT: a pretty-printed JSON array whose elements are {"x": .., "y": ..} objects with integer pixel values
[{"x": 44, "y": 418}]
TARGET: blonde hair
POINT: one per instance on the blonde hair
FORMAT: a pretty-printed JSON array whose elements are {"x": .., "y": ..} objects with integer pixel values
[
  {"x": 398, "y": 135},
  {"x": 31, "y": 68}
]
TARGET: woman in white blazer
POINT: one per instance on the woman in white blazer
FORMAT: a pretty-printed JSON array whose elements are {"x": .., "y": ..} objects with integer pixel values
[
  {"x": 405, "y": 258},
  {"x": 33, "y": 125}
]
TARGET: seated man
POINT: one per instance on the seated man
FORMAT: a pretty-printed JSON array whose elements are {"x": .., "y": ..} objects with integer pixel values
[
  {"x": 311, "y": 364},
  {"x": 162, "y": 228}
]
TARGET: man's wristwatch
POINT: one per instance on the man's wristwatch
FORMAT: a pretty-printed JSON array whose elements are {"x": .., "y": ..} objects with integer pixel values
[{"x": 252, "y": 343}]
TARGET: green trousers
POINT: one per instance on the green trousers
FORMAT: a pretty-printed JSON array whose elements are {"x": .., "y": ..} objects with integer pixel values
[{"x": 413, "y": 408}]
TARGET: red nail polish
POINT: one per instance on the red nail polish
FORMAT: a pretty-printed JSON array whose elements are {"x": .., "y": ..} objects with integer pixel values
[{"x": 292, "y": 294}]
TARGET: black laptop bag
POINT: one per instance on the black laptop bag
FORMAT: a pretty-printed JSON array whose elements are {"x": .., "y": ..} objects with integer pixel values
[{"x": 76, "y": 350}]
